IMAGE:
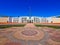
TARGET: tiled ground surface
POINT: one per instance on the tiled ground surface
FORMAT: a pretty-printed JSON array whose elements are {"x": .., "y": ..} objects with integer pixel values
[{"x": 44, "y": 36}]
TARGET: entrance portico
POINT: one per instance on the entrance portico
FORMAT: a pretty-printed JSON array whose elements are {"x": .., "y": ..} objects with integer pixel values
[{"x": 29, "y": 21}]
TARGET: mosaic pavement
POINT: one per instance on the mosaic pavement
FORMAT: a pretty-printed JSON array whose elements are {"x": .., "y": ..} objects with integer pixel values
[{"x": 29, "y": 35}]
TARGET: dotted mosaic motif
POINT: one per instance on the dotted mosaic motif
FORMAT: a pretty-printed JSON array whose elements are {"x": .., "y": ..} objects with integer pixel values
[{"x": 29, "y": 32}]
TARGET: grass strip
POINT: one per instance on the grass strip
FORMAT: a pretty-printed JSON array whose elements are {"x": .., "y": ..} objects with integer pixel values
[
  {"x": 51, "y": 26},
  {"x": 8, "y": 26}
]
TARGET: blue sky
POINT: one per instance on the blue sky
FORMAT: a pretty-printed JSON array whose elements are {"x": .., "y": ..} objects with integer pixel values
[{"x": 29, "y": 7}]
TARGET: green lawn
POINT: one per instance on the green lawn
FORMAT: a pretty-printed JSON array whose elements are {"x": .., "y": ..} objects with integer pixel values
[
  {"x": 8, "y": 26},
  {"x": 51, "y": 26}
]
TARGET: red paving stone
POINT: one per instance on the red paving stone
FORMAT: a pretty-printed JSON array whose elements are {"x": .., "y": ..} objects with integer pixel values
[
  {"x": 13, "y": 43},
  {"x": 55, "y": 36},
  {"x": 30, "y": 25},
  {"x": 51, "y": 42}
]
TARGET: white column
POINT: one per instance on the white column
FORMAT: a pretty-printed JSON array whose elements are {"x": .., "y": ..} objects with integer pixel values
[
  {"x": 8, "y": 19},
  {"x": 19, "y": 19},
  {"x": 12, "y": 20}
]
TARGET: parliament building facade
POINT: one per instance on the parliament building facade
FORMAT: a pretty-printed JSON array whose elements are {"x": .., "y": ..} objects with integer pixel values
[{"x": 27, "y": 19}]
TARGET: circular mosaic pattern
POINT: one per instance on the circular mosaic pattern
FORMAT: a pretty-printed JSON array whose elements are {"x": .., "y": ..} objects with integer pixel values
[{"x": 29, "y": 32}]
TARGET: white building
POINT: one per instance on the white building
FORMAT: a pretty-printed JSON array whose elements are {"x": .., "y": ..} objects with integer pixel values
[{"x": 34, "y": 19}]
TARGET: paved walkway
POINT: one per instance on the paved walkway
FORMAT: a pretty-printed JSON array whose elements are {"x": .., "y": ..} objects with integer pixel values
[
  {"x": 13, "y": 36},
  {"x": 30, "y": 25}
]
